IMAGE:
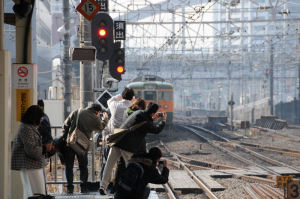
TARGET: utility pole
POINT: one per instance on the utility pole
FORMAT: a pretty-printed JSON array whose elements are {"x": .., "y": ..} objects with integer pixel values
[
  {"x": 66, "y": 60},
  {"x": 271, "y": 78},
  {"x": 86, "y": 83},
  {"x": 183, "y": 29},
  {"x": 5, "y": 118},
  {"x": 298, "y": 112}
]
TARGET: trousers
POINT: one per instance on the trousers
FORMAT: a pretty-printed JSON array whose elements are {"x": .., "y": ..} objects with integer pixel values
[
  {"x": 114, "y": 155},
  {"x": 83, "y": 163},
  {"x": 33, "y": 181}
]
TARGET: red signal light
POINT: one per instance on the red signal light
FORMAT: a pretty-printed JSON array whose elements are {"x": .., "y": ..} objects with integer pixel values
[
  {"x": 267, "y": 71},
  {"x": 102, "y": 32},
  {"x": 120, "y": 69}
]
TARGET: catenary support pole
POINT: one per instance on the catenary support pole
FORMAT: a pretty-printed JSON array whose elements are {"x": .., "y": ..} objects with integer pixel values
[
  {"x": 5, "y": 119},
  {"x": 271, "y": 78},
  {"x": 66, "y": 60}
]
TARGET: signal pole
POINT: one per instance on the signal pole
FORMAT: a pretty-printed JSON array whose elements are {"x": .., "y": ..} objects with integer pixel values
[
  {"x": 66, "y": 60},
  {"x": 86, "y": 82}
]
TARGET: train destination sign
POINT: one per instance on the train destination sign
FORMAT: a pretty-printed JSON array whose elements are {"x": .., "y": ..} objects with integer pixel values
[{"x": 88, "y": 8}]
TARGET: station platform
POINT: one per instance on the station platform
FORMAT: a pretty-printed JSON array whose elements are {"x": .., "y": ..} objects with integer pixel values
[{"x": 95, "y": 195}]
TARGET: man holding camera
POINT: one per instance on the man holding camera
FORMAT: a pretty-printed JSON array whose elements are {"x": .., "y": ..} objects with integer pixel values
[
  {"x": 134, "y": 142},
  {"x": 149, "y": 163}
]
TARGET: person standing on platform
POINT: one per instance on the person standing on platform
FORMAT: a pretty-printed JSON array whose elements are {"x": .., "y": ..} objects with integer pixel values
[
  {"x": 28, "y": 153},
  {"x": 137, "y": 104},
  {"x": 133, "y": 142},
  {"x": 117, "y": 106},
  {"x": 88, "y": 121},
  {"x": 45, "y": 127}
]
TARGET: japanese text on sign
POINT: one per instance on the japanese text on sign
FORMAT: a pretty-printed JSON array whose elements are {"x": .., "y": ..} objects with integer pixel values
[
  {"x": 103, "y": 4},
  {"x": 281, "y": 181},
  {"x": 23, "y": 102},
  {"x": 120, "y": 30}
]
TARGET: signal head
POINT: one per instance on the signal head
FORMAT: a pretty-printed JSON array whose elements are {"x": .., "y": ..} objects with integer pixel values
[
  {"x": 102, "y": 32},
  {"x": 120, "y": 69}
]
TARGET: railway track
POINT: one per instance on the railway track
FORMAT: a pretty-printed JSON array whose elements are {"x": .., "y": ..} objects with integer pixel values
[
  {"x": 219, "y": 142},
  {"x": 258, "y": 191},
  {"x": 184, "y": 166}
]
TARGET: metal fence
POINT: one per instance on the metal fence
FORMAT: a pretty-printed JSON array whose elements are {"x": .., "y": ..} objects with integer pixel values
[{"x": 56, "y": 132}]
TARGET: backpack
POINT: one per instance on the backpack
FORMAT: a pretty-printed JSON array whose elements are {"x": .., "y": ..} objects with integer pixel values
[{"x": 131, "y": 177}]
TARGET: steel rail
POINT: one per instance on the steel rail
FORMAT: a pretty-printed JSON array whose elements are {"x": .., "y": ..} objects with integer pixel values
[
  {"x": 272, "y": 149},
  {"x": 269, "y": 192},
  {"x": 240, "y": 158},
  {"x": 206, "y": 190},
  {"x": 251, "y": 193},
  {"x": 255, "y": 179},
  {"x": 205, "y": 164},
  {"x": 262, "y": 157},
  {"x": 170, "y": 193},
  {"x": 279, "y": 193},
  {"x": 258, "y": 191}
]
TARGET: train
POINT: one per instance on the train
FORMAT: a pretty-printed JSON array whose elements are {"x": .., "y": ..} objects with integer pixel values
[{"x": 155, "y": 89}]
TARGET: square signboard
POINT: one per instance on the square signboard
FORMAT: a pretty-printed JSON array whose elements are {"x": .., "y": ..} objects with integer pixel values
[{"x": 103, "y": 98}]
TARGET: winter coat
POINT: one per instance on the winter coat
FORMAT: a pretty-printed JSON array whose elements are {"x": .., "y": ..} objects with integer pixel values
[
  {"x": 117, "y": 106},
  {"x": 27, "y": 149},
  {"x": 87, "y": 123},
  {"x": 151, "y": 175},
  {"x": 135, "y": 141},
  {"x": 45, "y": 130}
]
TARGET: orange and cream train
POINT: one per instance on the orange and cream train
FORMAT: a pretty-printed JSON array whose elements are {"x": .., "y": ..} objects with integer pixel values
[{"x": 155, "y": 89}]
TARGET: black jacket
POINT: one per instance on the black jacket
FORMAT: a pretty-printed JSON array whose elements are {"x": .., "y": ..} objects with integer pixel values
[
  {"x": 151, "y": 175},
  {"x": 45, "y": 130},
  {"x": 135, "y": 141}
]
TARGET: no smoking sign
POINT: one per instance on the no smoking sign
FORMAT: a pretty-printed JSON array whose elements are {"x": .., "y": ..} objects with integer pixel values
[
  {"x": 23, "y": 76},
  {"x": 22, "y": 71}
]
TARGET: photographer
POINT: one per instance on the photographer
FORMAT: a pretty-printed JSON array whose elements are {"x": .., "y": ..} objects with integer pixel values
[
  {"x": 134, "y": 142},
  {"x": 129, "y": 188}
]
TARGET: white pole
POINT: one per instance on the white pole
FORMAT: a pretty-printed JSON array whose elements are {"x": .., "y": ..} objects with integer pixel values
[
  {"x": 5, "y": 119},
  {"x": 1, "y": 24}
]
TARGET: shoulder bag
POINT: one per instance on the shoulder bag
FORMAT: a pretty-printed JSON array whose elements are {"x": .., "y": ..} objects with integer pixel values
[
  {"x": 118, "y": 134},
  {"x": 78, "y": 141}
]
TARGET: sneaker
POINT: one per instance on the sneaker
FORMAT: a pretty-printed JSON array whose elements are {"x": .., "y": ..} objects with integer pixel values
[
  {"x": 102, "y": 191},
  {"x": 84, "y": 190}
]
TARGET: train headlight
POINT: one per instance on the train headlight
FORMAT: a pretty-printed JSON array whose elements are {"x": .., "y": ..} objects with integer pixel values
[{"x": 165, "y": 106}]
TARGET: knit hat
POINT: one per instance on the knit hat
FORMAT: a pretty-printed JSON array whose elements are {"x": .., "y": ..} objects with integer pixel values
[{"x": 154, "y": 153}]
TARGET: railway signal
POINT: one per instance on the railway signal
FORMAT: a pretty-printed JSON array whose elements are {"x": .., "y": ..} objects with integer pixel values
[
  {"x": 102, "y": 35},
  {"x": 117, "y": 62}
]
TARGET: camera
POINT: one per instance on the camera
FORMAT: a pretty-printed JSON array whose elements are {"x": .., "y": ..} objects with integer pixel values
[
  {"x": 160, "y": 114},
  {"x": 161, "y": 162}
]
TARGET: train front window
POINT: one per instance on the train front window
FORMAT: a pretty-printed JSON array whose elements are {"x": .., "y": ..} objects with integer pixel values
[
  {"x": 138, "y": 94},
  {"x": 150, "y": 95},
  {"x": 165, "y": 95}
]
